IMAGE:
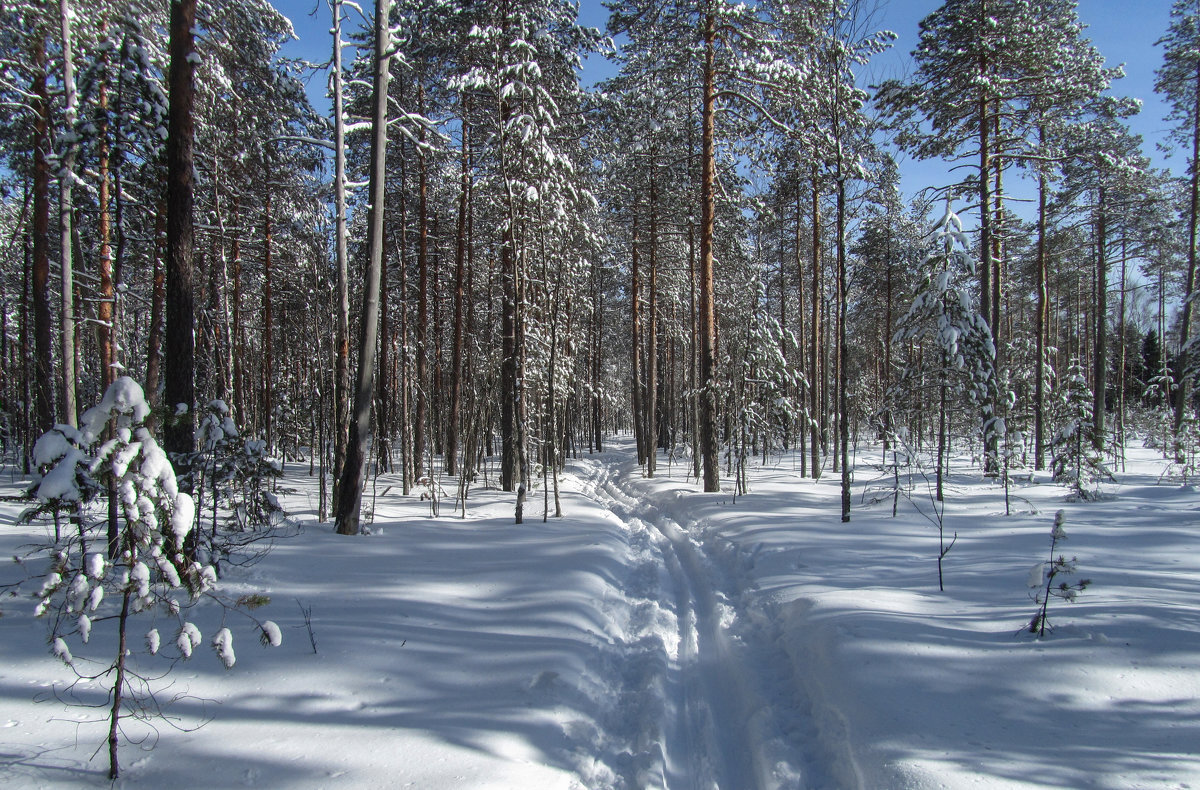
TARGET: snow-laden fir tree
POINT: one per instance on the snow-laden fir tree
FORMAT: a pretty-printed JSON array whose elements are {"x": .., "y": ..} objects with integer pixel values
[
  {"x": 959, "y": 358},
  {"x": 148, "y": 576},
  {"x": 1075, "y": 462}
]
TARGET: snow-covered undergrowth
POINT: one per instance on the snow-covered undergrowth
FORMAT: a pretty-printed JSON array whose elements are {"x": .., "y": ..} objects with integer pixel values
[{"x": 658, "y": 637}]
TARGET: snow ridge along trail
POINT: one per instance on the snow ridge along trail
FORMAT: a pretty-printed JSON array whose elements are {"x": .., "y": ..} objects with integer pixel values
[{"x": 717, "y": 729}]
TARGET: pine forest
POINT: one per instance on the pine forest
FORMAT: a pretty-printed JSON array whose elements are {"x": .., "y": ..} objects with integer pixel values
[{"x": 440, "y": 250}]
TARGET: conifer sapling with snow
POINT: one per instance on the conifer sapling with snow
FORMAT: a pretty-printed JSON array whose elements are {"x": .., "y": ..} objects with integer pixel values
[
  {"x": 93, "y": 576},
  {"x": 1052, "y": 579}
]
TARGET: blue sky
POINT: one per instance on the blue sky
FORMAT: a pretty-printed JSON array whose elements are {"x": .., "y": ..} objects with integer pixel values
[{"x": 1123, "y": 30}]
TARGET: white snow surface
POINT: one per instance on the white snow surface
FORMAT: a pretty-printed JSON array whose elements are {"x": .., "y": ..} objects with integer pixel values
[{"x": 657, "y": 637}]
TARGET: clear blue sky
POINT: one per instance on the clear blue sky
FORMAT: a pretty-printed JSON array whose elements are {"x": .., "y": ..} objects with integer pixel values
[{"x": 1123, "y": 30}]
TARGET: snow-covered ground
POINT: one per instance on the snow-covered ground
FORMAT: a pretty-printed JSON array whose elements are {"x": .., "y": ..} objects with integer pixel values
[{"x": 659, "y": 637}]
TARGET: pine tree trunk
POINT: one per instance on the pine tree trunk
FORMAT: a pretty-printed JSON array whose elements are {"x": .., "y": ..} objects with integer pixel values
[
  {"x": 1185, "y": 324},
  {"x": 157, "y": 299},
  {"x": 843, "y": 377},
  {"x": 636, "y": 387},
  {"x": 422, "y": 355},
  {"x": 66, "y": 219},
  {"x": 350, "y": 500},
  {"x": 179, "y": 345},
  {"x": 802, "y": 306},
  {"x": 1040, "y": 328},
  {"x": 652, "y": 338},
  {"x": 268, "y": 320},
  {"x": 707, "y": 317},
  {"x": 460, "y": 274},
  {"x": 106, "y": 309},
  {"x": 341, "y": 383},
  {"x": 814, "y": 358},
  {"x": 1100, "y": 349},
  {"x": 40, "y": 271}
]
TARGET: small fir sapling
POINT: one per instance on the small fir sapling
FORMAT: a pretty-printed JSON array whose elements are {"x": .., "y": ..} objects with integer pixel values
[
  {"x": 230, "y": 486},
  {"x": 1074, "y": 461},
  {"x": 90, "y": 584},
  {"x": 1052, "y": 579}
]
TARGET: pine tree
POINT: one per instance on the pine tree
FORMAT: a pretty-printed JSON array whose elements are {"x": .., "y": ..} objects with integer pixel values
[{"x": 1179, "y": 81}]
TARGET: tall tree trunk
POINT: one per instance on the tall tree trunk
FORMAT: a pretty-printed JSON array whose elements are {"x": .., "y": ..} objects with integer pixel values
[
  {"x": 707, "y": 317},
  {"x": 179, "y": 346},
  {"x": 1185, "y": 324},
  {"x": 801, "y": 336},
  {"x": 350, "y": 501},
  {"x": 154, "y": 333},
  {"x": 422, "y": 343},
  {"x": 636, "y": 387},
  {"x": 268, "y": 318},
  {"x": 1040, "y": 327},
  {"x": 1100, "y": 349},
  {"x": 40, "y": 271},
  {"x": 652, "y": 338},
  {"x": 460, "y": 275},
  {"x": 843, "y": 377},
  {"x": 597, "y": 346},
  {"x": 814, "y": 363},
  {"x": 341, "y": 382},
  {"x": 106, "y": 309},
  {"x": 66, "y": 218}
]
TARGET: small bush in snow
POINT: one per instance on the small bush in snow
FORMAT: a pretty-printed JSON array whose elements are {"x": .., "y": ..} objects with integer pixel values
[
  {"x": 1053, "y": 579},
  {"x": 124, "y": 556}
]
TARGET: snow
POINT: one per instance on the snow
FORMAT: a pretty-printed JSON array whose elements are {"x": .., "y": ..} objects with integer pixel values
[{"x": 659, "y": 637}]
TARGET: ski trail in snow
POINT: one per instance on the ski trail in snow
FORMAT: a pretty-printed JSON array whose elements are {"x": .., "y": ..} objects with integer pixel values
[{"x": 712, "y": 724}]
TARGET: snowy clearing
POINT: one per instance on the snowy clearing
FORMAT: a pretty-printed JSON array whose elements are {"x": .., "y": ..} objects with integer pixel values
[{"x": 658, "y": 637}]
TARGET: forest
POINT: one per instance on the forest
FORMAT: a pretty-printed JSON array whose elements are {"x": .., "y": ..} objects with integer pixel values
[
  {"x": 478, "y": 267},
  {"x": 680, "y": 319}
]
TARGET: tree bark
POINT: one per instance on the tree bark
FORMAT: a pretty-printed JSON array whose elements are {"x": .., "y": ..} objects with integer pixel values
[
  {"x": 40, "y": 270},
  {"x": 460, "y": 275},
  {"x": 1100, "y": 349},
  {"x": 422, "y": 339},
  {"x": 1043, "y": 308},
  {"x": 707, "y": 317},
  {"x": 814, "y": 363},
  {"x": 66, "y": 218},
  {"x": 1185, "y": 324},
  {"x": 350, "y": 500},
  {"x": 341, "y": 385},
  {"x": 179, "y": 346}
]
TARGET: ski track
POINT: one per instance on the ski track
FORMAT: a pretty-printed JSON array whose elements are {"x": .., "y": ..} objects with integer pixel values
[{"x": 715, "y": 726}]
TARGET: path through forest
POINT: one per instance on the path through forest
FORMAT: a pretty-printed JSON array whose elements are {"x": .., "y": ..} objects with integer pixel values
[{"x": 726, "y": 709}]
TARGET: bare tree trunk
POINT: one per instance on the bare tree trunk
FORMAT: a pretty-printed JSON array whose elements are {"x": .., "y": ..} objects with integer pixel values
[
  {"x": 843, "y": 378},
  {"x": 157, "y": 300},
  {"x": 106, "y": 309},
  {"x": 707, "y": 318},
  {"x": 1185, "y": 324},
  {"x": 1043, "y": 311},
  {"x": 350, "y": 500},
  {"x": 460, "y": 275},
  {"x": 814, "y": 364},
  {"x": 268, "y": 320},
  {"x": 636, "y": 387},
  {"x": 1100, "y": 349},
  {"x": 341, "y": 385},
  {"x": 801, "y": 337},
  {"x": 40, "y": 272},
  {"x": 179, "y": 356},
  {"x": 422, "y": 356},
  {"x": 66, "y": 217},
  {"x": 652, "y": 338}
]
